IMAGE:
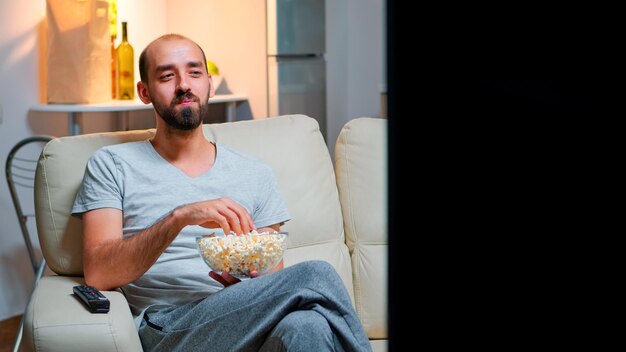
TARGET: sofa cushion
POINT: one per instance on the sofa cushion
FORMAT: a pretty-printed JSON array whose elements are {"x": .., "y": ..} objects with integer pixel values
[
  {"x": 360, "y": 165},
  {"x": 57, "y": 180}
]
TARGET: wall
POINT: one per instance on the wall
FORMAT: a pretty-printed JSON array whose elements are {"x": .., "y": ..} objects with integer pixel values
[
  {"x": 232, "y": 34},
  {"x": 21, "y": 62},
  {"x": 19, "y": 75},
  {"x": 355, "y": 62}
]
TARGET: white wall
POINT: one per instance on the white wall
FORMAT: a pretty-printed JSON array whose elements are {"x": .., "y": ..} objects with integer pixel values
[
  {"x": 232, "y": 34},
  {"x": 19, "y": 21},
  {"x": 21, "y": 63},
  {"x": 355, "y": 56}
]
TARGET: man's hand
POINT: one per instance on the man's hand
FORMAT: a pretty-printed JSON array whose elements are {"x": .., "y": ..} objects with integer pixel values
[
  {"x": 225, "y": 279},
  {"x": 222, "y": 212}
]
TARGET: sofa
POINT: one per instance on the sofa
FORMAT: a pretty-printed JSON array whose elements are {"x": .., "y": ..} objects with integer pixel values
[{"x": 338, "y": 215}]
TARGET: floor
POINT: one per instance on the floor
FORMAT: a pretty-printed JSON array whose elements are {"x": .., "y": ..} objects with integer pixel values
[{"x": 8, "y": 329}]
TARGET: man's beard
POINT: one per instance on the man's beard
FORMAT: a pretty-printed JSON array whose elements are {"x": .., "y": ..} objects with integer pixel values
[{"x": 188, "y": 118}]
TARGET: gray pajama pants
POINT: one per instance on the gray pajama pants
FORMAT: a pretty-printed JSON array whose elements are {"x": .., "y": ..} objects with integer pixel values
[{"x": 304, "y": 307}]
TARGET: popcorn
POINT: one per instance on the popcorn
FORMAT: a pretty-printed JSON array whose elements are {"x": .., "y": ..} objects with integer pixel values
[{"x": 239, "y": 255}]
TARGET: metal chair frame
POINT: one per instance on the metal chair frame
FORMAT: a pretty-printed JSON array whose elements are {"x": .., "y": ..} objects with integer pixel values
[{"x": 21, "y": 172}]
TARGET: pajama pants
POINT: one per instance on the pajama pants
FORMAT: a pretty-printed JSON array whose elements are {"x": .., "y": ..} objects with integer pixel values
[{"x": 304, "y": 307}]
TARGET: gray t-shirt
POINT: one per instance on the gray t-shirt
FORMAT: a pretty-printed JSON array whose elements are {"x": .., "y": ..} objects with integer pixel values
[{"x": 134, "y": 178}]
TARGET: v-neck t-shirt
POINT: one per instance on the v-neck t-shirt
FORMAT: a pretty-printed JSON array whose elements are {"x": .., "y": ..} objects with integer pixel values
[{"x": 134, "y": 178}]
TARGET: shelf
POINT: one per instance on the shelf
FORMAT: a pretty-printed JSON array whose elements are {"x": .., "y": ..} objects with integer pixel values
[{"x": 117, "y": 106}]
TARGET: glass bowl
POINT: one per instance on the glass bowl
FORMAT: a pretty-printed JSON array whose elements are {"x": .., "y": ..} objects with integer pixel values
[{"x": 239, "y": 255}]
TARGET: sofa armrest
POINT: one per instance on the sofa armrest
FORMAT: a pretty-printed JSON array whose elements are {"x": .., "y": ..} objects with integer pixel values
[
  {"x": 360, "y": 164},
  {"x": 56, "y": 320}
]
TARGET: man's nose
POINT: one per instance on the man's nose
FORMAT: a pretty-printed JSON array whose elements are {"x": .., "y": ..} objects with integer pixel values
[{"x": 183, "y": 85}]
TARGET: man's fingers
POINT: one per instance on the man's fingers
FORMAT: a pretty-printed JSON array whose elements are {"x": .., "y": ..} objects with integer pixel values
[
  {"x": 245, "y": 220},
  {"x": 232, "y": 217},
  {"x": 215, "y": 276},
  {"x": 225, "y": 278},
  {"x": 240, "y": 216},
  {"x": 224, "y": 225},
  {"x": 249, "y": 221},
  {"x": 218, "y": 278},
  {"x": 231, "y": 279},
  {"x": 227, "y": 214}
]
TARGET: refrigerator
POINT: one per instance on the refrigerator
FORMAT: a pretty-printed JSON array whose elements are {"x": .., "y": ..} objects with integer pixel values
[{"x": 296, "y": 64}]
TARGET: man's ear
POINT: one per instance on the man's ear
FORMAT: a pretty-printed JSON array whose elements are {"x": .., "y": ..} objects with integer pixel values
[
  {"x": 142, "y": 91},
  {"x": 212, "y": 89}
]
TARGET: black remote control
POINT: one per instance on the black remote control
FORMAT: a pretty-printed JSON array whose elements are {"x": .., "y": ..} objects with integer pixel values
[{"x": 93, "y": 298}]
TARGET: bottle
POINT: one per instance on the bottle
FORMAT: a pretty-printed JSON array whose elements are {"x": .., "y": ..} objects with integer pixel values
[
  {"x": 114, "y": 85},
  {"x": 113, "y": 32},
  {"x": 125, "y": 67}
]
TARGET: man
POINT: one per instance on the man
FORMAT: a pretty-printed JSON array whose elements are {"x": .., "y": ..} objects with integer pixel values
[{"x": 143, "y": 204}]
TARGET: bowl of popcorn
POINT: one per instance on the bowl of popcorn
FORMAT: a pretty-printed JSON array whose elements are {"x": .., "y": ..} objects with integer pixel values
[{"x": 241, "y": 254}]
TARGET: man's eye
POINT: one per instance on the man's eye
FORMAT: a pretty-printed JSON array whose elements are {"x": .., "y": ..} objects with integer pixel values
[
  {"x": 166, "y": 76},
  {"x": 196, "y": 73}
]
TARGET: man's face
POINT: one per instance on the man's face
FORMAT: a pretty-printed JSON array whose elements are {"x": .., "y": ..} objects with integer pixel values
[{"x": 178, "y": 84}]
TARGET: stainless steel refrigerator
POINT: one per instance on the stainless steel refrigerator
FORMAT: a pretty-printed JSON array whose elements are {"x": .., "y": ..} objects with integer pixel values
[{"x": 295, "y": 59}]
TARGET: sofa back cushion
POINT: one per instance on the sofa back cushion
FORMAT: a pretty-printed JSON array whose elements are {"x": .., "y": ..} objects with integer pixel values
[
  {"x": 295, "y": 149},
  {"x": 57, "y": 180},
  {"x": 292, "y": 145},
  {"x": 360, "y": 165}
]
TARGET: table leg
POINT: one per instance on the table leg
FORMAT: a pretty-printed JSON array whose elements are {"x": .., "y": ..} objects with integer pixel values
[
  {"x": 123, "y": 120},
  {"x": 72, "y": 125},
  {"x": 231, "y": 111}
]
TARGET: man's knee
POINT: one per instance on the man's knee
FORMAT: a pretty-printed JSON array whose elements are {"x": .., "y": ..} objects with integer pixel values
[
  {"x": 315, "y": 268},
  {"x": 317, "y": 276},
  {"x": 300, "y": 330}
]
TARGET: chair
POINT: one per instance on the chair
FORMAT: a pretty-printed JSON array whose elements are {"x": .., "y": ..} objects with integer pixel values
[{"x": 20, "y": 169}]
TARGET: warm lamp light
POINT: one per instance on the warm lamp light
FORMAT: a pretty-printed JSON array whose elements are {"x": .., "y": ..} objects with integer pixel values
[
  {"x": 75, "y": 14},
  {"x": 78, "y": 51}
]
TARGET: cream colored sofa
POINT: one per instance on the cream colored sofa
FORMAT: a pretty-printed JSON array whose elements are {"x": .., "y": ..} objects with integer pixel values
[{"x": 338, "y": 215}]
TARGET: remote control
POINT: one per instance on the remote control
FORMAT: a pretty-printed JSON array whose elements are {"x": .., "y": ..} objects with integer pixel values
[{"x": 93, "y": 298}]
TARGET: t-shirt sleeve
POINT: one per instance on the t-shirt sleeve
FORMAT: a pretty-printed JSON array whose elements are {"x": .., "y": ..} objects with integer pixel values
[
  {"x": 272, "y": 208},
  {"x": 101, "y": 185}
]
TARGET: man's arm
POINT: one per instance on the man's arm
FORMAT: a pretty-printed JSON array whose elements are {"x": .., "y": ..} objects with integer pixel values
[{"x": 111, "y": 261}]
